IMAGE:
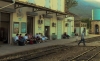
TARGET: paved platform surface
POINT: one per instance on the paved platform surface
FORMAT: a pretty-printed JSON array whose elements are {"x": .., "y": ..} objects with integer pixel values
[{"x": 10, "y": 49}]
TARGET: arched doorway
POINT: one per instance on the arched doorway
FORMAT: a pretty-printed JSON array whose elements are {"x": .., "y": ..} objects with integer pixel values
[{"x": 96, "y": 29}]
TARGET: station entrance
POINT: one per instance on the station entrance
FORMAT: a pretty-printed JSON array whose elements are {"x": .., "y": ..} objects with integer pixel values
[{"x": 4, "y": 27}]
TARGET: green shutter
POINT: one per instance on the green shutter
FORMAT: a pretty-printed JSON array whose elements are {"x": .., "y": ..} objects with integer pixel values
[
  {"x": 59, "y": 5},
  {"x": 47, "y": 3},
  {"x": 31, "y": 1},
  {"x": 47, "y": 22},
  {"x": 59, "y": 29}
]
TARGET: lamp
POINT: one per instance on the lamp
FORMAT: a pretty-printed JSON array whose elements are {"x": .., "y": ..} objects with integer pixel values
[
  {"x": 53, "y": 24},
  {"x": 66, "y": 24},
  {"x": 69, "y": 20},
  {"x": 40, "y": 21}
]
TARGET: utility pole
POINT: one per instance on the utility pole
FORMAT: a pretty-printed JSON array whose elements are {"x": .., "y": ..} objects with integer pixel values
[
  {"x": 8, "y": 5},
  {"x": 89, "y": 24}
]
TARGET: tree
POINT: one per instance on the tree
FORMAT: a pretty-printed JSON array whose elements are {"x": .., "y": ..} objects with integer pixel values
[{"x": 69, "y": 4}]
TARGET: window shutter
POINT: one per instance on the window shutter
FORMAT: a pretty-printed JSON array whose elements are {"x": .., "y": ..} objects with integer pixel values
[
  {"x": 31, "y": 1},
  {"x": 59, "y": 5},
  {"x": 47, "y": 3}
]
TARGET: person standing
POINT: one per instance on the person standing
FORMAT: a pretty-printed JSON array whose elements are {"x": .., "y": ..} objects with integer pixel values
[{"x": 82, "y": 39}]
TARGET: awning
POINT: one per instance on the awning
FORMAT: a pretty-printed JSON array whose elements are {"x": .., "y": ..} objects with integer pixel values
[
  {"x": 10, "y": 10},
  {"x": 32, "y": 13},
  {"x": 47, "y": 16},
  {"x": 36, "y": 6},
  {"x": 59, "y": 18}
]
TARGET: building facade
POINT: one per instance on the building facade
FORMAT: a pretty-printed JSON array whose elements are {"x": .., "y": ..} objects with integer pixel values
[
  {"x": 95, "y": 23},
  {"x": 80, "y": 27},
  {"x": 32, "y": 16}
]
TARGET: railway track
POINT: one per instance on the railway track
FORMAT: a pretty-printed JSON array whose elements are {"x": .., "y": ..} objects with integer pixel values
[
  {"x": 33, "y": 57},
  {"x": 27, "y": 53},
  {"x": 51, "y": 51},
  {"x": 87, "y": 56}
]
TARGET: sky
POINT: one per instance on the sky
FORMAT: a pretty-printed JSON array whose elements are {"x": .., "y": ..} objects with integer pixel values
[
  {"x": 94, "y": 2},
  {"x": 84, "y": 8}
]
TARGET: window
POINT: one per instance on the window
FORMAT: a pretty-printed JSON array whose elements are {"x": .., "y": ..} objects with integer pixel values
[
  {"x": 47, "y": 3},
  {"x": 23, "y": 27},
  {"x": 16, "y": 27}
]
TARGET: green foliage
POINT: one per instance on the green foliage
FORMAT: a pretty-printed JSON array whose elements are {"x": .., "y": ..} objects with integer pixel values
[{"x": 71, "y": 3}]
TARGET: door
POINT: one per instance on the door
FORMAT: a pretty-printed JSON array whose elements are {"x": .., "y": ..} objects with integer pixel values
[
  {"x": 29, "y": 25},
  {"x": 69, "y": 29},
  {"x": 5, "y": 27},
  {"x": 96, "y": 29},
  {"x": 59, "y": 29},
  {"x": 47, "y": 27},
  {"x": 47, "y": 31}
]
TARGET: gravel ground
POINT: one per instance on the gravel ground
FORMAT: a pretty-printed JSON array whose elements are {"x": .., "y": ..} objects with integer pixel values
[
  {"x": 64, "y": 54},
  {"x": 96, "y": 58}
]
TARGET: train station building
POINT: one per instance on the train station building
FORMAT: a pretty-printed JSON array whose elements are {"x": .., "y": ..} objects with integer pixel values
[{"x": 33, "y": 16}]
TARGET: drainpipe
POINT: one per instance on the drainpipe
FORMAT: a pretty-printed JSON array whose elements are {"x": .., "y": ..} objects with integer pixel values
[{"x": 8, "y": 5}]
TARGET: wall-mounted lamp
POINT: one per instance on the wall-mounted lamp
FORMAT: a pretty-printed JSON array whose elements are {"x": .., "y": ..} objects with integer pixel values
[
  {"x": 66, "y": 24},
  {"x": 66, "y": 16},
  {"x": 69, "y": 20},
  {"x": 53, "y": 24},
  {"x": 40, "y": 21}
]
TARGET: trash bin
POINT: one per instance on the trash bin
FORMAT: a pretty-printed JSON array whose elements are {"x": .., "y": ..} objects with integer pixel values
[
  {"x": 54, "y": 37},
  {"x": 73, "y": 34}
]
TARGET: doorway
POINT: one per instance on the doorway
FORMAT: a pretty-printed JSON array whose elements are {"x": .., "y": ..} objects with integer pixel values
[
  {"x": 4, "y": 28},
  {"x": 47, "y": 31},
  {"x": 74, "y": 30},
  {"x": 69, "y": 32},
  {"x": 30, "y": 24},
  {"x": 84, "y": 31},
  {"x": 96, "y": 29}
]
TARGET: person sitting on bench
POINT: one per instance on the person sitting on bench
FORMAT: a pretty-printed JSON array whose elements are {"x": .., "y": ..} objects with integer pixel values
[
  {"x": 16, "y": 39},
  {"x": 66, "y": 36},
  {"x": 21, "y": 40}
]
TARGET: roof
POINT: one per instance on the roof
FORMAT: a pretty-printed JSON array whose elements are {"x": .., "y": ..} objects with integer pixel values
[{"x": 35, "y": 6}]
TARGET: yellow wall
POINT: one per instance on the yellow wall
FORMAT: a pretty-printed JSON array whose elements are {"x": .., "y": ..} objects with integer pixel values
[
  {"x": 37, "y": 30},
  {"x": 23, "y": 19},
  {"x": 53, "y": 3}
]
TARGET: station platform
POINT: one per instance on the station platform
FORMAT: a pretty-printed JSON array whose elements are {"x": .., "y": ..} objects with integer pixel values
[{"x": 6, "y": 49}]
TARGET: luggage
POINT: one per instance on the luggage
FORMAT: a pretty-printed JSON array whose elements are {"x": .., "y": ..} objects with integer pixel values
[
  {"x": 30, "y": 42},
  {"x": 21, "y": 43}
]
